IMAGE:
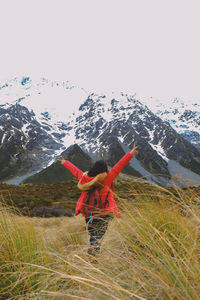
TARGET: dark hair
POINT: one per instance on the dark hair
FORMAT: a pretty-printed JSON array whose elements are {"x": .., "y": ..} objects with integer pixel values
[{"x": 98, "y": 167}]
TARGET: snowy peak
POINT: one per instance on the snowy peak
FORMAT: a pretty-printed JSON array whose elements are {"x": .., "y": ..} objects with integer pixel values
[
  {"x": 43, "y": 96},
  {"x": 184, "y": 117}
]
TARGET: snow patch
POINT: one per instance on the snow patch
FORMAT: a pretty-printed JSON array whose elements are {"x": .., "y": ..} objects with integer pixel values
[
  {"x": 158, "y": 148},
  {"x": 3, "y": 138}
]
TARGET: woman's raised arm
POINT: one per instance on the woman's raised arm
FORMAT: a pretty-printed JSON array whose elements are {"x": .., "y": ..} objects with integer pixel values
[
  {"x": 72, "y": 168},
  {"x": 114, "y": 172}
]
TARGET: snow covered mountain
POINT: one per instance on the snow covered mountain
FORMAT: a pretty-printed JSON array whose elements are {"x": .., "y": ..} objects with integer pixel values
[
  {"x": 32, "y": 116},
  {"x": 183, "y": 116},
  {"x": 104, "y": 120},
  {"x": 40, "y": 119}
]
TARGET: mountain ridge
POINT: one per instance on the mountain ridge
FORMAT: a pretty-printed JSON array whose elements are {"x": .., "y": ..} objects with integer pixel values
[
  {"x": 183, "y": 116},
  {"x": 33, "y": 139}
]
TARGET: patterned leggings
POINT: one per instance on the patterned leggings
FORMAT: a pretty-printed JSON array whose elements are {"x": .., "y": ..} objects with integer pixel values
[{"x": 96, "y": 230}]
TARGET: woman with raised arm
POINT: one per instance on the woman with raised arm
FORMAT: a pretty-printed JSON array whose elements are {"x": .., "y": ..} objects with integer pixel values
[{"x": 98, "y": 175}]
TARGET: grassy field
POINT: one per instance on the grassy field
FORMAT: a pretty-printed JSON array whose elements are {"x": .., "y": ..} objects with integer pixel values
[{"x": 151, "y": 252}]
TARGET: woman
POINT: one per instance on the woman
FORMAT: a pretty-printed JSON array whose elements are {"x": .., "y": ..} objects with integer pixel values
[{"x": 98, "y": 175}]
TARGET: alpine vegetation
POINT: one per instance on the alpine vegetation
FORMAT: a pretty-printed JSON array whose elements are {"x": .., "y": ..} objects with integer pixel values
[{"x": 151, "y": 252}]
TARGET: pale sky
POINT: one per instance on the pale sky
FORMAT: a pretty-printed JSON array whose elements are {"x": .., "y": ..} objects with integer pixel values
[{"x": 147, "y": 47}]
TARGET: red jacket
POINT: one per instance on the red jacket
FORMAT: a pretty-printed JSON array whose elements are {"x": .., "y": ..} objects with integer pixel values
[{"x": 107, "y": 190}]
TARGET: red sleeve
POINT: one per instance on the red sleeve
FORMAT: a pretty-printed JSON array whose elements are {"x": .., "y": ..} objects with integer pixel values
[
  {"x": 73, "y": 169},
  {"x": 114, "y": 172}
]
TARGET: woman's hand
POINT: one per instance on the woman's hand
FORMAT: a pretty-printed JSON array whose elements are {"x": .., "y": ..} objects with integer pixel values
[
  {"x": 61, "y": 160},
  {"x": 134, "y": 150}
]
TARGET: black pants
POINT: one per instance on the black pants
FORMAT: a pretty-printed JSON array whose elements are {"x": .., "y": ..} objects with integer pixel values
[{"x": 97, "y": 228}]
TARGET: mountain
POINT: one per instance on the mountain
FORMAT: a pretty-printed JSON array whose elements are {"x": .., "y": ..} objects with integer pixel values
[
  {"x": 26, "y": 144},
  {"x": 162, "y": 151},
  {"x": 34, "y": 132},
  {"x": 57, "y": 173},
  {"x": 33, "y": 124},
  {"x": 184, "y": 117}
]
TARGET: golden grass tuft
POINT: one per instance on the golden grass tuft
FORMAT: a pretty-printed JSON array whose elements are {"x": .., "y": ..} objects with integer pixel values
[{"x": 151, "y": 252}]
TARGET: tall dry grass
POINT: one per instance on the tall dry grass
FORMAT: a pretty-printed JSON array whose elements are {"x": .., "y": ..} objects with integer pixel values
[{"x": 151, "y": 252}]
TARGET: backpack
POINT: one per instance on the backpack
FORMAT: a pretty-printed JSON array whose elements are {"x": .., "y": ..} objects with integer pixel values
[{"x": 92, "y": 204}]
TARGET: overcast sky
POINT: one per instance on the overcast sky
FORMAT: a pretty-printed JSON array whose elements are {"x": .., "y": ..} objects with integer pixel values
[{"x": 150, "y": 47}]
